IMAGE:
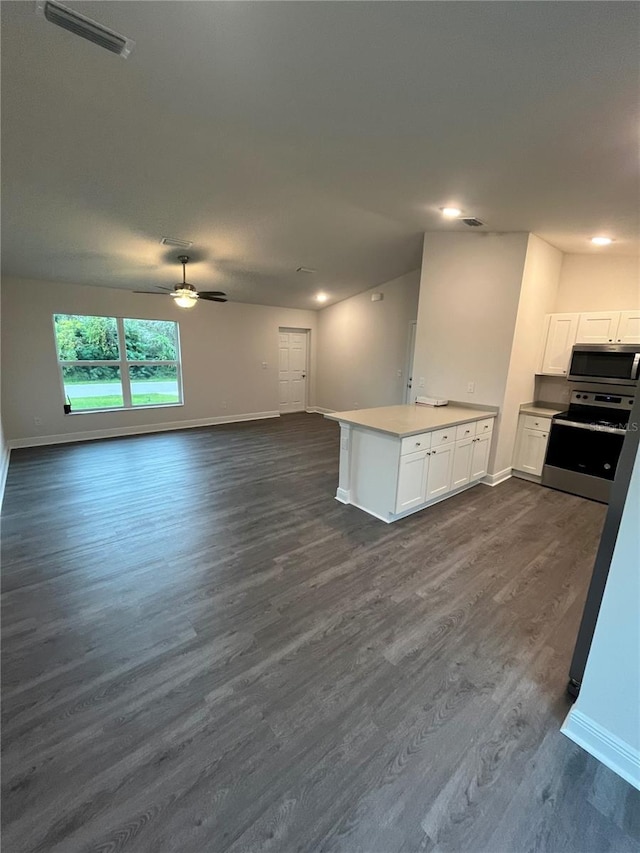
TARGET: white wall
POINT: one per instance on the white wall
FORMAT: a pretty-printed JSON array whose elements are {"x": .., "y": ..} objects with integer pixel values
[
  {"x": 4, "y": 450},
  {"x": 363, "y": 344},
  {"x": 606, "y": 717},
  {"x": 223, "y": 347},
  {"x": 469, "y": 292},
  {"x": 597, "y": 282},
  {"x": 538, "y": 294}
]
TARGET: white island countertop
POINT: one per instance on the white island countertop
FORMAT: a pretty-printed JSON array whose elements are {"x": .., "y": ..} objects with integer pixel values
[{"x": 407, "y": 420}]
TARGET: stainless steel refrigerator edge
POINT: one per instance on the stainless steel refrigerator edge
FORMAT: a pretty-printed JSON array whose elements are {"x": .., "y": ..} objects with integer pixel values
[{"x": 598, "y": 582}]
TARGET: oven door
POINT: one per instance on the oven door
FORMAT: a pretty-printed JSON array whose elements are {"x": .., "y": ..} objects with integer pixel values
[
  {"x": 618, "y": 365},
  {"x": 593, "y": 451}
]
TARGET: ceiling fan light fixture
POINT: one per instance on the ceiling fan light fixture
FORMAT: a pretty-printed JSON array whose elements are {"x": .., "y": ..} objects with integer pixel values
[{"x": 185, "y": 298}]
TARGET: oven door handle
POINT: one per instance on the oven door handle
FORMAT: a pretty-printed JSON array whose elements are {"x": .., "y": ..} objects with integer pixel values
[
  {"x": 592, "y": 427},
  {"x": 635, "y": 365}
]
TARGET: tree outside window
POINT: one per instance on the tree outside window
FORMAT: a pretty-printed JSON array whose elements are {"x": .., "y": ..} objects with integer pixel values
[{"x": 118, "y": 363}]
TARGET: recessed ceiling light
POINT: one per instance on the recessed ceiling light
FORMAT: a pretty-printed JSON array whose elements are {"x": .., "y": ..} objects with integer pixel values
[
  {"x": 601, "y": 241},
  {"x": 451, "y": 212},
  {"x": 321, "y": 297}
]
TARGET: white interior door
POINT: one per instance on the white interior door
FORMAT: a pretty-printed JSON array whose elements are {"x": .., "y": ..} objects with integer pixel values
[
  {"x": 292, "y": 370},
  {"x": 408, "y": 371}
]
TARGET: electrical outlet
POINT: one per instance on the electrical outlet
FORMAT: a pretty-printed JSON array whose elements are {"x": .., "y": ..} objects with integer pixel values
[
  {"x": 399, "y": 373},
  {"x": 223, "y": 404},
  {"x": 356, "y": 405},
  {"x": 37, "y": 421},
  {"x": 264, "y": 365},
  {"x": 471, "y": 387},
  {"x": 421, "y": 382}
]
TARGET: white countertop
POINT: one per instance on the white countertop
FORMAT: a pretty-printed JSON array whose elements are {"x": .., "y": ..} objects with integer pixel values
[
  {"x": 410, "y": 419},
  {"x": 542, "y": 410}
]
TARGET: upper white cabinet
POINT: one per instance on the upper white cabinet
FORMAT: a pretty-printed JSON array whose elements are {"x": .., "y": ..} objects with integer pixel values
[
  {"x": 598, "y": 327},
  {"x": 628, "y": 328},
  {"x": 560, "y": 336},
  {"x": 609, "y": 327},
  {"x": 562, "y": 331}
]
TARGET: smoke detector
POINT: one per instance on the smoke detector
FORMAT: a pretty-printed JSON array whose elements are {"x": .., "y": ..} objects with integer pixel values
[{"x": 84, "y": 27}]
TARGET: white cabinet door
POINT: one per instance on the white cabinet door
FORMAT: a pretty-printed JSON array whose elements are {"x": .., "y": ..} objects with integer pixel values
[
  {"x": 561, "y": 336},
  {"x": 598, "y": 327},
  {"x": 628, "y": 328},
  {"x": 480, "y": 456},
  {"x": 532, "y": 447},
  {"x": 462, "y": 463},
  {"x": 412, "y": 480},
  {"x": 440, "y": 468}
]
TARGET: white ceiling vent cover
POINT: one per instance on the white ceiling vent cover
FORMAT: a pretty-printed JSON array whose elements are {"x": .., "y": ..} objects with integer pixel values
[
  {"x": 82, "y": 26},
  {"x": 177, "y": 243}
]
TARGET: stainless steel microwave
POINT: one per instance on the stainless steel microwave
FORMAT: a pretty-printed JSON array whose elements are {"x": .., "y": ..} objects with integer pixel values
[{"x": 616, "y": 364}]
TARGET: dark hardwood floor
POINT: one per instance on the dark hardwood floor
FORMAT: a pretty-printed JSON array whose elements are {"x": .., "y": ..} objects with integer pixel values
[{"x": 204, "y": 651}]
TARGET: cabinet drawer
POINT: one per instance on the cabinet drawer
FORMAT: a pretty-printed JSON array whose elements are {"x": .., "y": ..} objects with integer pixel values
[
  {"x": 414, "y": 443},
  {"x": 534, "y": 422},
  {"x": 465, "y": 431},
  {"x": 484, "y": 426},
  {"x": 443, "y": 436}
]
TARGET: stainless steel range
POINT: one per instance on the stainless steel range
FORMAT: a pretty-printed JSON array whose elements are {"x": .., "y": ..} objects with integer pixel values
[{"x": 585, "y": 443}]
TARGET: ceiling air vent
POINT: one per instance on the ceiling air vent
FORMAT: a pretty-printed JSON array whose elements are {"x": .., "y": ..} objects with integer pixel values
[
  {"x": 78, "y": 24},
  {"x": 309, "y": 270},
  {"x": 178, "y": 244},
  {"x": 471, "y": 221}
]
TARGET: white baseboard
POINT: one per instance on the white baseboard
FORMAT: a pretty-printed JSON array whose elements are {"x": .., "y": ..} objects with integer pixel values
[
  {"x": 320, "y": 410},
  {"x": 343, "y": 496},
  {"x": 524, "y": 475},
  {"x": 4, "y": 470},
  {"x": 94, "y": 434},
  {"x": 603, "y": 745},
  {"x": 495, "y": 479}
]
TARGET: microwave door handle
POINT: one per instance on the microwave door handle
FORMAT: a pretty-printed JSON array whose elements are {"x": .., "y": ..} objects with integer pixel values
[{"x": 635, "y": 365}]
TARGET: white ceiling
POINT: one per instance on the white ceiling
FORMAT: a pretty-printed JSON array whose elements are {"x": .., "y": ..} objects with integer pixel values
[{"x": 321, "y": 134}]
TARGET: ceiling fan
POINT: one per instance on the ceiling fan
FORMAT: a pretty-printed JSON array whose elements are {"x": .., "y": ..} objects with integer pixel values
[{"x": 185, "y": 295}]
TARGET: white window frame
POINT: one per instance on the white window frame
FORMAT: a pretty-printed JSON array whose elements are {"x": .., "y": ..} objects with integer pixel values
[{"x": 123, "y": 364}]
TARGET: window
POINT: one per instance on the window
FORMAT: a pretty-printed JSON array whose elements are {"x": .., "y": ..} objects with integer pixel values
[{"x": 116, "y": 363}]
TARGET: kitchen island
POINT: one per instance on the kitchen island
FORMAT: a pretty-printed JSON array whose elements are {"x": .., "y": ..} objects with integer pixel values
[{"x": 396, "y": 460}]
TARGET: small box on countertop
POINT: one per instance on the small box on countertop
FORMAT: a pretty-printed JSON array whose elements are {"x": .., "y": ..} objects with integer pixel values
[{"x": 431, "y": 401}]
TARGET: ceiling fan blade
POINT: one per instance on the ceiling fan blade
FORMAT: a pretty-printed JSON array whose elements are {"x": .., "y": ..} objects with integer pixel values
[
  {"x": 207, "y": 293},
  {"x": 209, "y": 298},
  {"x": 153, "y": 292}
]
